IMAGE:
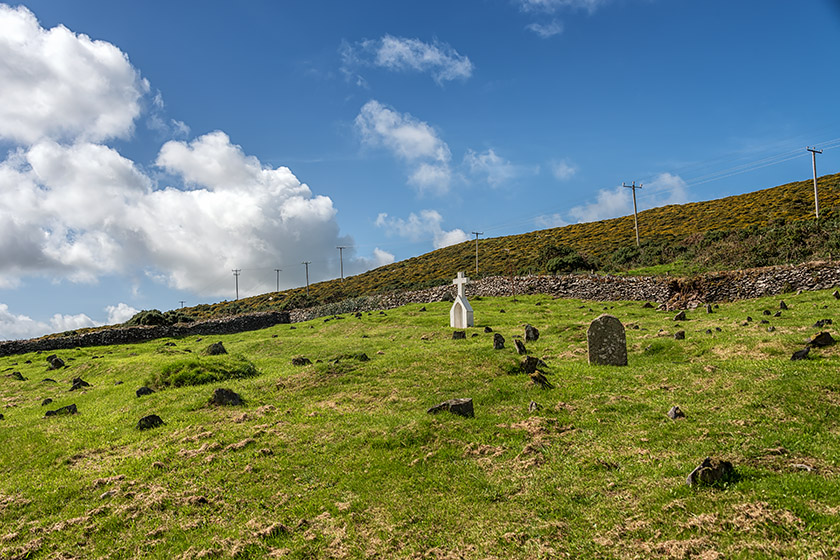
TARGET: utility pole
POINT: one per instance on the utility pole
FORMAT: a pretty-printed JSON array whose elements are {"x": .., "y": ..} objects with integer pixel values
[
  {"x": 277, "y": 270},
  {"x": 814, "y": 153},
  {"x": 341, "y": 259},
  {"x": 476, "y": 233},
  {"x": 306, "y": 264},
  {"x": 635, "y": 214},
  {"x": 182, "y": 302},
  {"x": 236, "y": 272}
]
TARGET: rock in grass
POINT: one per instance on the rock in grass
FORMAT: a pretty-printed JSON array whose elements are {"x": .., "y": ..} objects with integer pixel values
[
  {"x": 150, "y": 421},
  {"x": 143, "y": 391},
  {"x": 226, "y": 397},
  {"x": 48, "y": 380},
  {"x": 531, "y": 333},
  {"x": 540, "y": 380},
  {"x": 18, "y": 376},
  {"x": 821, "y": 323},
  {"x": 822, "y": 339},
  {"x": 301, "y": 361},
  {"x": 777, "y": 314},
  {"x": 461, "y": 407},
  {"x": 711, "y": 472},
  {"x": 680, "y": 316},
  {"x": 459, "y": 335},
  {"x": 215, "y": 349},
  {"x": 520, "y": 346},
  {"x": 836, "y": 294},
  {"x": 46, "y": 401},
  {"x": 78, "y": 383},
  {"x": 647, "y": 305},
  {"x": 2, "y": 417},
  {"x": 782, "y": 305},
  {"x": 766, "y": 312},
  {"x": 530, "y": 364},
  {"x": 64, "y": 410},
  {"x": 679, "y": 335},
  {"x": 708, "y": 308},
  {"x": 675, "y": 413},
  {"x": 488, "y": 330},
  {"x": 534, "y": 406},
  {"x": 801, "y": 354},
  {"x": 498, "y": 342},
  {"x": 54, "y": 362}
]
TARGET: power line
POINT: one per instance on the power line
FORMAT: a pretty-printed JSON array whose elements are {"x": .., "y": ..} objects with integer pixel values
[{"x": 814, "y": 153}]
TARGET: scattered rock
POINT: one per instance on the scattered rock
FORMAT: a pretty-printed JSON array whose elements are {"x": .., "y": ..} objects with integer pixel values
[
  {"x": 607, "y": 342},
  {"x": 680, "y": 316},
  {"x": 48, "y": 380},
  {"x": 530, "y": 364},
  {"x": 423, "y": 308},
  {"x": 836, "y": 294},
  {"x": 708, "y": 308},
  {"x": 718, "y": 329},
  {"x": 143, "y": 391},
  {"x": 501, "y": 310},
  {"x": 18, "y": 376},
  {"x": 488, "y": 330},
  {"x": 821, "y": 323},
  {"x": 69, "y": 409},
  {"x": 777, "y": 314},
  {"x": 533, "y": 406},
  {"x": 647, "y": 305},
  {"x": 225, "y": 397},
  {"x": 150, "y": 421},
  {"x": 675, "y": 413},
  {"x": 540, "y": 380},
  {"x": 301, "y": 361},
  {"x": 679, "y": 335},
  {"x": 46, "y": 401},
  {"x": 712, "y": 472},
  {"x": 764, "y": 322},
  {"x": 531, "y": 333},
  {"x": 459, "y": 335},
  {"x": 801, "y": 354},
  {"x": 170, "y": 343},
  {"x": 79, "y": 383},
  {"x": 461, "y": 407},
  {"x": 498, "y": 342},
  {"x": 782, "y": 305},
  {"x": 820, "y": 340},
  {"x": 215, "y": 349},
  {"x": 54, "y": 362},
  {"x": 749, "y": 319},
  {"x": 2, "y": 417},
  {"x": 771, "y": 328},
  {"x": 766, "y": 312},
  {"x": 520, "y": 346}
]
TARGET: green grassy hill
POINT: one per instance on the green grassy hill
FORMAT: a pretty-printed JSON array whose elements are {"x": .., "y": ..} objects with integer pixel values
[
  {"x": 770, "y": 226},
  {"x": 339, "y": 459}
]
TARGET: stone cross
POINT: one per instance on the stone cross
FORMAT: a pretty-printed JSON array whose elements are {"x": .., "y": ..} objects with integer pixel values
[{"x": 461, "y": 281}]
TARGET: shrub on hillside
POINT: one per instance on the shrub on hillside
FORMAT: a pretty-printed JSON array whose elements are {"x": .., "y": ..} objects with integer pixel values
[
  {"x": 201, "y": 370},
  {"x": 155, "y": 318}
]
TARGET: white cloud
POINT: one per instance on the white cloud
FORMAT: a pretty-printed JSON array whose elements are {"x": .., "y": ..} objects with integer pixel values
[
  {"x": 63, "y": 85},
  {"x": 563, "y": 170},
  {"x": 551, "y": 221},
  {"x": 120, "y": 313},
  {"x": 401, "y": 54},
  {"x": 418, "y": 227},
  {"x": 19, "y": 327},
  {"x": 495, "y": 170},
  {"x": 382, "y": 257},
  {"x": 551, "y": 6},
  {"x": 546, "y": 30},
  {"x": 663, "y": 190},
  {"x": 61, "y": 323},
  {"x": 411, "y": 140}
]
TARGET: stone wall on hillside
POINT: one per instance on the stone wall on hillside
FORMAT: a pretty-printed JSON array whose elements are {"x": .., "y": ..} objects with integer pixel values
[{"x": 132, "y": 335}]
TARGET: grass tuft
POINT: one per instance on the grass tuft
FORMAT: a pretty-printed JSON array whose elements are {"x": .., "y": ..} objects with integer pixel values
[{"x": 202, "y": 370}]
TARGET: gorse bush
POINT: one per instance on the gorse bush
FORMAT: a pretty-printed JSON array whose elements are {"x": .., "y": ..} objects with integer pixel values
[
  {"x": 153, "y": 317},
  {"x": 201, "y": 370}
]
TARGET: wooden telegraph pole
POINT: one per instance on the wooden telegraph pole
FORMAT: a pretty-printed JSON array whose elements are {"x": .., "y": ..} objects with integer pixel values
[
  {"x": 635, "y": 213},
  {"x": 814, "y": 153}
]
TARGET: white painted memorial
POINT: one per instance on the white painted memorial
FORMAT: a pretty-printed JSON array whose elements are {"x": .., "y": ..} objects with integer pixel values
[{"x": 461, "y": 314}]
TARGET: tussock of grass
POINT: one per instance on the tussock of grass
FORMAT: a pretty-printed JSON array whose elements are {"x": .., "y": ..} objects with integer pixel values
[{"x": 202, "y": 370}]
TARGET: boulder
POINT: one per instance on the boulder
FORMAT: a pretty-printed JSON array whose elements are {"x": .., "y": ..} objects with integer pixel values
[
  {"x": 679, "y": 335},
  {"x": 150, "y": 421},
  {"x": 520, "y": 346},
  {"x": 64, "y": 410},
  {"x": 820, "y": 340},
  {"x": 461, "y": 407},
  {"x": 459, "y": 335},
  {"x": 531, "y": 333},
  {"x": 54, "y": 362},
  {"x": 498, "y": 342},
  {"x": 225, "y": 397},
  {"x": 712, "y": 472},
  {"x": 675, "y": 413},
  {"x": 143, "y": 391},
  {"x": 680, "y": 316},
  {"x": 801, "y": 354},
  {"x": 79, "y": 383},
  {"x": 215, "y": 349}
]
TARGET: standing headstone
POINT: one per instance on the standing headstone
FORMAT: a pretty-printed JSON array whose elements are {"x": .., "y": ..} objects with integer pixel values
[
  {"x": 607, "y": 342},
  {"x": 531, "y": 333},
  {"x": 461, "y": 314},
  {"x": 498, "y": 342}
]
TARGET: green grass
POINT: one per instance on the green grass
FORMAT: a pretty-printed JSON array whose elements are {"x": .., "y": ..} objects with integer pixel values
[
  {"x": 202, "y": 370},
  {"x": 338, "y": 459}
]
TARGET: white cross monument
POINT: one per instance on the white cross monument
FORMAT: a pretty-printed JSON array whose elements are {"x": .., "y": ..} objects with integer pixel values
[{"x": 461, "y": 314}]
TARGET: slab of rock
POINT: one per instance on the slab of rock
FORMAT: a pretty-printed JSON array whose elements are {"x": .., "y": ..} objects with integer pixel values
[
  {"x": 226, "y": 397},
  {"x": 488, "y": 330},
  {"x": 680, "y": 316},
  {"x": 607, "y": 342},
  {"x": 498, "y": 342},
  {"x": 64, "y": 410},
  {"x": 18, "y": 376},
  {"x": 801, "y": 354},
  {"x": 46, "y": 401},
  {"x": 777, "y": 314},
  {"x": 215, "y": 349},
  {"x": 647, "y": 305},
  {"x": 461, "y": 407},
  {"x": 54, "y": 362},
  {"x": 530, "y": 364},
  {"x": 143, "y": 391},
  {"x": 540, "y": 381},
  {"x": 679, "y": 335},
  {"x": 821, "y": 340},
  {"x": 459, "y": 335},
  {"x": 782, "y": 305},
  {"x": 520, "y": 346},
  {"x": 836, "y": 294},
  {"x": 675, "y": 413},
  {"x": 531, "y": 333},
  {"x": 708, "y": 308},
  {"x": 711, "y": 472},
  {"x": 821, "y": 323},
  {"x": 301, "y": 361},
  {"x": 78, "y": 383},
  {"x": 150, "y": 421}
]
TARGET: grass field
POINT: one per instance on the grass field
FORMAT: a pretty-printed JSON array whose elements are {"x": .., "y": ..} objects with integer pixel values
[{"x": 338, "y": 459}]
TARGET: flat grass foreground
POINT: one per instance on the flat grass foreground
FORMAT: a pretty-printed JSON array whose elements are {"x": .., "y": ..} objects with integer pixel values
[{"x": 339, "y": 459}]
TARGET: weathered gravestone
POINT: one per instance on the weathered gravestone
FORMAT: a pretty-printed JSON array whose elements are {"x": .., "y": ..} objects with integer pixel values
[
  {"x": 461, "y": 314},
  {"x": 607, "y": 342},
  {"x": 498, "y": 342}
]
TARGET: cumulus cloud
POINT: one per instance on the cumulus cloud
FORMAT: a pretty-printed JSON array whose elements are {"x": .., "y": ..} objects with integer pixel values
[
  {"x": 663, "y": 190},
  {"x": 62, "y": 85},
  {"x": 490, "y": 167},
  {"x": 546, "y": 30},
  {"x": 17, "y": 327},
  {"x": 422, "y": 226},
  {"x": 412, "y": 141},
  {"x": 551, "y": 6},
  {"x": 401, "y": 54},
  {"x": 563, "y": 170},
  {"x": 120, "y": 313},
  {"x": 551, "y": 221}
]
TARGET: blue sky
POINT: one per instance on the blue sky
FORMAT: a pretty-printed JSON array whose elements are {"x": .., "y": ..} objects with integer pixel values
[{"x": 149, "y": 148}]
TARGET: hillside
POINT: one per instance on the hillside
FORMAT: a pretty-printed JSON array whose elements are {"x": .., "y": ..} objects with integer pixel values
[
  {"x": 337, "y": 457},
  {"x": 765, "y": 227}
]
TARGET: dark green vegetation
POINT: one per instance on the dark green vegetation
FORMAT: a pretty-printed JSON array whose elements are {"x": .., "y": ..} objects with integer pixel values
[
  {"x": 338, "y": 458},
  {"x": 766, "y": 227},
  {"x": 201, "y": 370}
]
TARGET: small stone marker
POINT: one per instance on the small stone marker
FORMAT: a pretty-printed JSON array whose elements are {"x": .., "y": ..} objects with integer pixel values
[
  {"x": 55, "y": 362},
  {"x": 46, "y": 401},
  {"x": 459, "y": 335},
  {"x": 647, "y": 305},
  {"x": 822, "y": 339},
  {"x": 498, "y": 342},
  {"x": 520, "y": 346},
  {"x": 531, "y": 333},
  {"x": 801, "y": 354},
  {"x": 533, "y": 406},
  {"x": 766, "y": 312},
  {"x": 226, "y": 397},
  {"x": 16, "y": 375},
  {"x": 607, "y": 342},
  {"x": 150, "y": 421},
  {"x": 708, "y": 308},
  {"x": 79, "y": 383},
  {"x": 215, "y": 349},
  {"x": 69, "y": 409},
  {"x": 301, "y": 361},
  {"x": 461, "y": 407},
  {"x": 711, "y": 472},
  {"x": 143, "y": 391},
  {"x": 680, "y": 316},
  {"x": 488, "y": 330},
  {"x": 679, "y": 335},
  {"x": 836, "y": 294},
  {"x": 461, "y": 314},
  {"x": 782, "y": 305},
  {"x": 675, "y": 413}
]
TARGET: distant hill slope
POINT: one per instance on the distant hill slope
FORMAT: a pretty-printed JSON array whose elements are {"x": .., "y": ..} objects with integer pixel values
[{"x": 713, "y": 234}]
